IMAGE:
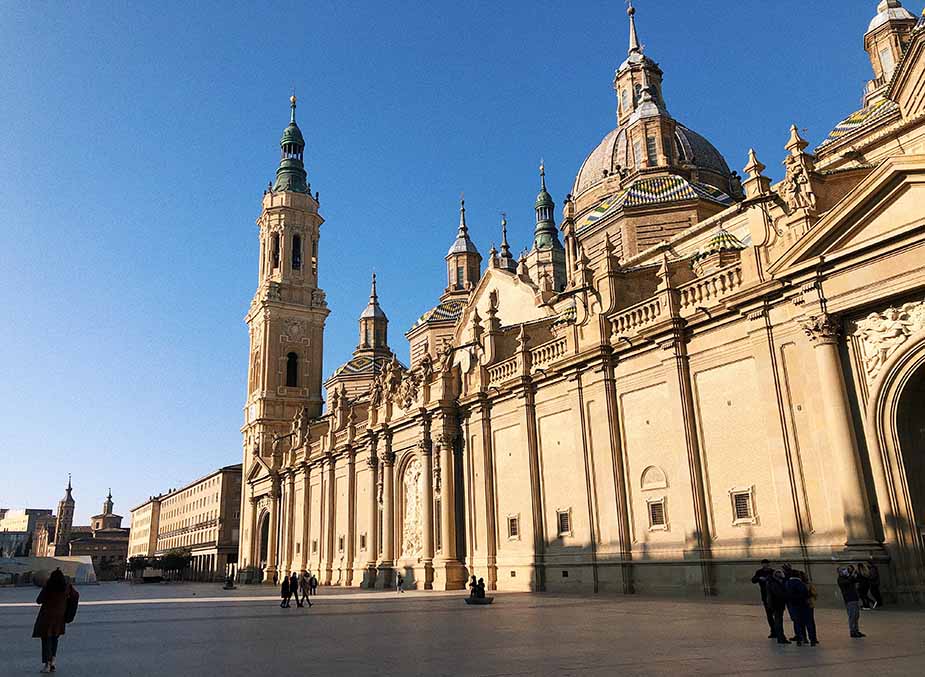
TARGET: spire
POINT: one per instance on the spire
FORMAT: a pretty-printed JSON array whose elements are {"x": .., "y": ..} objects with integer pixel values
[
  {"x": 545, "y": 234},
  {"x": 372, "y": 308},
  {"x": 462, "y": 244},
  {"x": 68, "y": 498},
  {"x": 107, "y": 504},
  {"x": 507, "y": 259},
  {"x": 635, "y": 48},
  {"x": 291, "y": 176}
]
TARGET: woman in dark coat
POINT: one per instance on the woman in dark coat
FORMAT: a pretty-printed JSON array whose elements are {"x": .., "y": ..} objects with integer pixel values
[{"x": 49, "y": 625}]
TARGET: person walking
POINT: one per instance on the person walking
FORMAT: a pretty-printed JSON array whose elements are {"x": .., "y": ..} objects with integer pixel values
[
  {"x": 314, "y": 585},
  {"x": 777, "y": 594},
  {"x": 847, "y": 583},
  {"x": 285, "y": 592},
  {"x": 873, "y": 577},
  {"x": 761, "y": 580},
  {"x": 305, "y": 586},
  {"x": 294, "y": 588},
  {"x": 399, "y": 583},
  {"x": 56, "y": 596}
]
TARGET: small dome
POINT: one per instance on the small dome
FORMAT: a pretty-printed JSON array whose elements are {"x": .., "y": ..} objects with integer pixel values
[
  {"x": 614, "y": 153},
  {"x": 722, "y": 241},
  {"x": 292, "y": 134},
  {"x": 889, "y": 10}
]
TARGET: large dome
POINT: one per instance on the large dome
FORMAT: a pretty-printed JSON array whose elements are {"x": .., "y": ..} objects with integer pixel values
[{"x": 614, "y": 153}]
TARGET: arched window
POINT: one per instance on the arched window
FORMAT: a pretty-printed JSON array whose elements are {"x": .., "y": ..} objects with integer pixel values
[
  {"x": 460, "y": 276},
  {"x": 297, "y": 252},
  {"x": 274, "y": 250},
  {"x": 624, "y": 100},
  {"x": 638, "y": 92},
  {"x": 653, "y": 477},
  {"x": 292, "y": 370}
]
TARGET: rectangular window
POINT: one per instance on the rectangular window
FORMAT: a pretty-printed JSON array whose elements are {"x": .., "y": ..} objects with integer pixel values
[
  {"x": 513, "y": 527},
  {"x": 658, "y": 519},
  {"x": 564, "y": 520},
  {"x": 315, "y": 546},
  {"x": 340, "y": 544},
  {"x": 460, "y": 275},
  {"x": 743, "y": 505},
  {"x": 363, "y": 541},
  {"x": 651, "y": 151},
  {"x": 637, "y": 152}
]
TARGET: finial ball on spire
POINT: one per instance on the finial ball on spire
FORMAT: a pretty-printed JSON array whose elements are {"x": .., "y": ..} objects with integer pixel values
[
  {"x": 630, "y": 10},
  {"x": 292, "y": 100}
]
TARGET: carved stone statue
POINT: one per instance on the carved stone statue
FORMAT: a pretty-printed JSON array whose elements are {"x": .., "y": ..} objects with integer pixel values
[
  {"x": 427, "y": 368},
  {"x": 393, "y": 376},
  {"x": 334, "y": 404},
  {"x": 446, "y": 359},
  {"x": 796, "y": 188},
  {"x": 881, "y": 334}
]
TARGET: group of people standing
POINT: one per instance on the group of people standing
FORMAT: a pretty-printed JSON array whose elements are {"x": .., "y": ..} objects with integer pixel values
[
  {"x": 302, "y": 587},
  {"x": 477, "y": 588},
  {"x": 790, "y": 589}
]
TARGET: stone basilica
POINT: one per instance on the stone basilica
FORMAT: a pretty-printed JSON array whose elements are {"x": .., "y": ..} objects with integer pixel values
[{"x": 689, "y": 372}]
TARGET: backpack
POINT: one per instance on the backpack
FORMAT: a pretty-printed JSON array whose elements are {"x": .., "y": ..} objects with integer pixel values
[{"x": 73, "y": 598}]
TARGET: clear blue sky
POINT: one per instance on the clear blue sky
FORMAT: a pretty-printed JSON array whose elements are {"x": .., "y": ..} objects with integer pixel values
[{"x": 135, "y": 143}]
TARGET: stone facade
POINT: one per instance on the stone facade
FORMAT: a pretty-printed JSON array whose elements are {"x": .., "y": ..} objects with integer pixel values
[
  {"x": 707, "y": 371},
  {"x": 202, "y": 517}
]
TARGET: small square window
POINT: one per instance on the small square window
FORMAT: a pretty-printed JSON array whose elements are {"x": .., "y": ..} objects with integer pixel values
[
  {"x": 363, "y": 541},
  {"x": 513, "y": 527},
  {"x": 564, "y": 522},
  {"x": 658, "y": 516},
  {"x": 743, "y": 506}
]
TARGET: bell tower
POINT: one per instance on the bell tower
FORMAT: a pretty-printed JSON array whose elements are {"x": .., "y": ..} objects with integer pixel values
[
  {"x": 64, "y": 522},
  {"x": 286, "y": 317}
]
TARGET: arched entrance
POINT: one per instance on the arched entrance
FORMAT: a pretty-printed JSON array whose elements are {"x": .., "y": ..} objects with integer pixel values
[
  {"x": 910, "y": 426},
  {"x": 264, "y": 543},
  {"x": 895, "y": 431}
]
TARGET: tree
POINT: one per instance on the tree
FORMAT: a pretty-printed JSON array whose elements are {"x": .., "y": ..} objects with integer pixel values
[
  {"x": 138, "y": 564},
  {"x": 176, "y": 561}
]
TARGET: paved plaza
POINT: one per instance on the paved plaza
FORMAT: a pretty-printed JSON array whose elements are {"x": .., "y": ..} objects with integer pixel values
[{"x": 193, "y": 629}]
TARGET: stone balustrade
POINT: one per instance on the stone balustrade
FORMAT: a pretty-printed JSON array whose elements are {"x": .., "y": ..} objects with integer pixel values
[
  {"x": 710, "y": 289},
  {"x": 635, "y": 318},
  {"x": 504, "y": 371},
  {"x": 544, "y": 355}
]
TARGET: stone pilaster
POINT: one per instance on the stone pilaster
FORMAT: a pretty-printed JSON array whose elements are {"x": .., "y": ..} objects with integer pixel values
[
  {"x": 426, "y": 455},
  {"x": 387, "y": 563},
  {"x": 824, "y": 331},
  {"x": 372, "y": 520}
]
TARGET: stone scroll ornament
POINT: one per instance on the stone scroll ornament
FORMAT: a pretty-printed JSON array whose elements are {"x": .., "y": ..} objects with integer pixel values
[
  {"x": 881, "y": 334},
  {"x": 411, "y": 531}
]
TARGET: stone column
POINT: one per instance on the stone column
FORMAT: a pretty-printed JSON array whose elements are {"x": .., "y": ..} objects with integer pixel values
[
  {"x": 447, "y": 498},
  {"x": 306, "y": 502},
  {"x": 253, "y": 550},
  {"x": 823, "y": 331},
  {"x": 290, "y": 522},
  {"x": 272, "y": 565},
  {"x": 428, "y": 526},
  {"x": 350, "y": 545},
  {"x": 372, "y": 522},
  {"x": 388, "y": 512},
  {"x": 332, "y": 523}
]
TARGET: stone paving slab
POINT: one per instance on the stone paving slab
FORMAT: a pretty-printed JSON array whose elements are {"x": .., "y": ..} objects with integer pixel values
[{"x": 383, "y": 633}]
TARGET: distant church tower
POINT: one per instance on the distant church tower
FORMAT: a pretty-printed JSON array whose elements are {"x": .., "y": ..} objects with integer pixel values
[
  {"x": 64, "y": 521},
  {"x": 287, "y": 315}
]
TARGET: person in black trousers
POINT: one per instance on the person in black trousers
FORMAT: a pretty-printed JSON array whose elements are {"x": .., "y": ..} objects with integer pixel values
[
  {"x": 285, "y": 593},
  {"x": 761, "y": 580},
  {"x": 777, "y": 595},
  {"x": 797, "y": 605},
  {"x": 294, "y": 588}
]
